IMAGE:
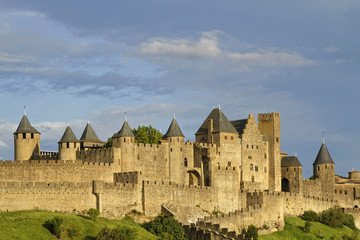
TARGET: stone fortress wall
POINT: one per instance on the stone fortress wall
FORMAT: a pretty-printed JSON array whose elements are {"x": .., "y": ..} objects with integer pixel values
[{"x": 234, "y": 170}]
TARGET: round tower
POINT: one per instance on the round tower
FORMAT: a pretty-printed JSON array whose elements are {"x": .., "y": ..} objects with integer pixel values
[
  {"x": 26, "y": 140},
  {"x": 175, "y": 137},
  {"x": 68, "y": 145},
  {"x": 123, "y": 147},
  {"x": 324, "y": 171}
]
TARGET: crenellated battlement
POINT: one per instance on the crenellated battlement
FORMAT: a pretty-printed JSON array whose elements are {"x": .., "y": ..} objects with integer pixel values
[
  {"x": 205, "y": 145},
  {"x": 264, "y": 116},
  {"x": 127, "y": 177},
  {"x": 101, "y": 155},
  {"x": 48, "y": 163},
  {"x": 161, "y": 184}
]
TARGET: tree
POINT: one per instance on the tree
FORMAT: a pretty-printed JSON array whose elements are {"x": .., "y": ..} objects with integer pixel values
[
  {"x": 147, "y": 134},
  {"x": 108, "y": 143},
  {"x": 165, "y": 227}
]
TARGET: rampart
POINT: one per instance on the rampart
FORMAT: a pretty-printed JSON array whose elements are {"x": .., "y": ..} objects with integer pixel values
[
  {"x": 55, "y": 171},
  {"x": 97, "y": 155},
  {"x": 53, "y": 196}
]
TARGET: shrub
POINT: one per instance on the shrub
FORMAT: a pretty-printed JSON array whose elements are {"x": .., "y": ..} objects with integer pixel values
[
  {"x": 73, "y": 231},
  {"x": 349, "y": 221},
  {"x": 310, "y": 216},
  {"x": 54, "y": 226},
  {"x": 165, "y": 224},
  {"x": 93, "y": 213},
  {"x": 307, "y": 226},
  {"x": 333, "y": 217},
  {"x": 252, "y": 232},
  {"x": 119, "y": 233}
]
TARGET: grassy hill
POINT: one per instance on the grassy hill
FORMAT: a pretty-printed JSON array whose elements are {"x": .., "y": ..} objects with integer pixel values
[
  {"x": 30, "y": 225},
  {"x": 294, "y": 230}
]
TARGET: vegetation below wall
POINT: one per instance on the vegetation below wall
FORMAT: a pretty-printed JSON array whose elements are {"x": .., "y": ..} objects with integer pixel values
[
  {"x": 34, "y": 225},
  {"x": 295, "y": 229}
]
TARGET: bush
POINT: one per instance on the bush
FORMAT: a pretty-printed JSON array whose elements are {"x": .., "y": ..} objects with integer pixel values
[
  {"x": 93, "y": 213},
  {"x": 349, "y": 221},
  {"x": 307, "y": 226},
  {"x": 165, "y": 224},
  {"x": 252, "y": 232},
  {"x": 54, "y": 226},
  {"x": 333, "y": 217},
  {"x": 310, "y": 216},
  {"x": 73, "y": 231},
  {"x": 119, "y": 233}
]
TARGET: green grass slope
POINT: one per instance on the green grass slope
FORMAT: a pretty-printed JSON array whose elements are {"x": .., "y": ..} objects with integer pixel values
[
  {"x": 294, "y": 230},
  {"x": 28, "y": 224}
]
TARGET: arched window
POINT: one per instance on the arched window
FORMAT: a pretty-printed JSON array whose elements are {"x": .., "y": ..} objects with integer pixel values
[{"x": 185, "y": 162}]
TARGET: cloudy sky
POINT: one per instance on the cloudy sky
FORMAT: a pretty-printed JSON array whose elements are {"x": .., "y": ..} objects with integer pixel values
[{"x": 79, "y": 61}]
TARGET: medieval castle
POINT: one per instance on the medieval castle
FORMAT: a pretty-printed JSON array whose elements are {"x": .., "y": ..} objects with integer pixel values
[{"x": 233, "y": 175}]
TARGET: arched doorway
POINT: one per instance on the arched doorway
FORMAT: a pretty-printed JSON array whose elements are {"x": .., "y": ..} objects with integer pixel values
[
  {"x": 285, "y": 186},
  {"x": 194, "y": 177}
]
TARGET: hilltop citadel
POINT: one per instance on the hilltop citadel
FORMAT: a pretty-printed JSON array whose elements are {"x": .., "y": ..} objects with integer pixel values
[{"x": 234, "y": 168}]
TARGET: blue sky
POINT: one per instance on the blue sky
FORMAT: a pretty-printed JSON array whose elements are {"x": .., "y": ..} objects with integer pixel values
[{"x": 79, "y": 61}]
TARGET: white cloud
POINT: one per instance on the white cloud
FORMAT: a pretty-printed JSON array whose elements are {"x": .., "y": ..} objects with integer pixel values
[
  {"x": 331, "y": 48},
  {"x": 3, "y": 144},
  {"x": 340, "y": 60},
  {"x": 208, "y": 47}
]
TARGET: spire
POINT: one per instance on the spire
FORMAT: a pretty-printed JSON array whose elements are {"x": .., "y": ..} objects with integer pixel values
[
  {"x": 89, "y": 134},
  {"x": 323, "y": 134},
  {"x": 174, "y": 130},
  {"x": 125, "y": 131},
  {"x": 24, "y": 110},
  {"x": 25, "y": 126},
  {"x": 68, "y": 136},
  {"x": 323, "y": 156},
  {"x": 220, "y": 121}
]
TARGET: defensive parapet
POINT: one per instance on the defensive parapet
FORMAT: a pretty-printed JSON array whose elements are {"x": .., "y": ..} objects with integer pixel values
[
  {"x": 127, "y": 177},
  {"x": 98, "y": 155}
]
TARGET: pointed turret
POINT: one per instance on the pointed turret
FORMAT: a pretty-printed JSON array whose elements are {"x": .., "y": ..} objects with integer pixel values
[
  {"x": 324, "y": 171},
  {"x": 323, "y": 156},
  {"x": 217, "y": 129},
  {"x": 89, "y": 139},
  {"x": 125, "y": 131},
  {"x": 68, "y": 145},
  {"x": 26, "y": 140},
  {"x": 174, "y": 130},
  {"x": 68, "y": 136},
  {"x": 25, "y": 126}
]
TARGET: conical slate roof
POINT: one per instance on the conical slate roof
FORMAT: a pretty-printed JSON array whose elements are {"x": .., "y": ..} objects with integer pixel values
[
  {"x": 125, "y": 131},
  {"x": 220, "y": 121},
  {"x": 25, "y": 126},
  {"x": 323, "y": 156},
  {"x": 68, "y": 136},
  {"x": 290, "y": 161},
  {"x": 174, "y": 130},
  {"x": 89, "y": 134}
]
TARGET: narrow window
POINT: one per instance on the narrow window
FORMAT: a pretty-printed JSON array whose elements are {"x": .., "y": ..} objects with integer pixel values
[
  {"x": 138, "y": 157},
  {"x": 277, "y": 139},
  {"x": 225, "y": 137},
  {"x": 345, "y": 192},
  {"x": 265, "y": 155},
  {"x": 74, "y": 145},
  {"x": 131, "y": 140},
  {"x": 256, "y": 168},
  {"x": 185, "y": 162},
  {"x": 124, "y": 139},
  {"x": 24, "y": 135},
  {"x": 67, "y": 145},
  {"x": 340, "y": 191},
  {"x": 257, "y": 147},
  {"x": 335, "y": 190},
  {"x": 253, "y": 179},
  {"x": 318, "y": 168},
  {"x": 32, "y": 136},
  {"x": 251, "y": 167},
  {"x": 247, "y": 146},
  {"x": 325, "y": 166},
  {"x": 170, "y": 149},
  {"x": 229, "y": 164},
  {"x": 232, "y": 138},
  {"x": 252, "y": 146},
  {"x": 287, "y": 169}
]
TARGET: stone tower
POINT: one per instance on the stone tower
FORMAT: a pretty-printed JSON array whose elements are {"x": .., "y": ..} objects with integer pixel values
[
  {"x": 26, "y": 140},
  {"x": 324, "y": 171},
  {"x": 68, "y": 145},
  {"x": 89, "y": 139},
  {"x": 175, "y": 137},
  {"x": 124, "y": 148},
  {"x": 291, "y": 174},
  {"x": 269, "y": 126}
]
